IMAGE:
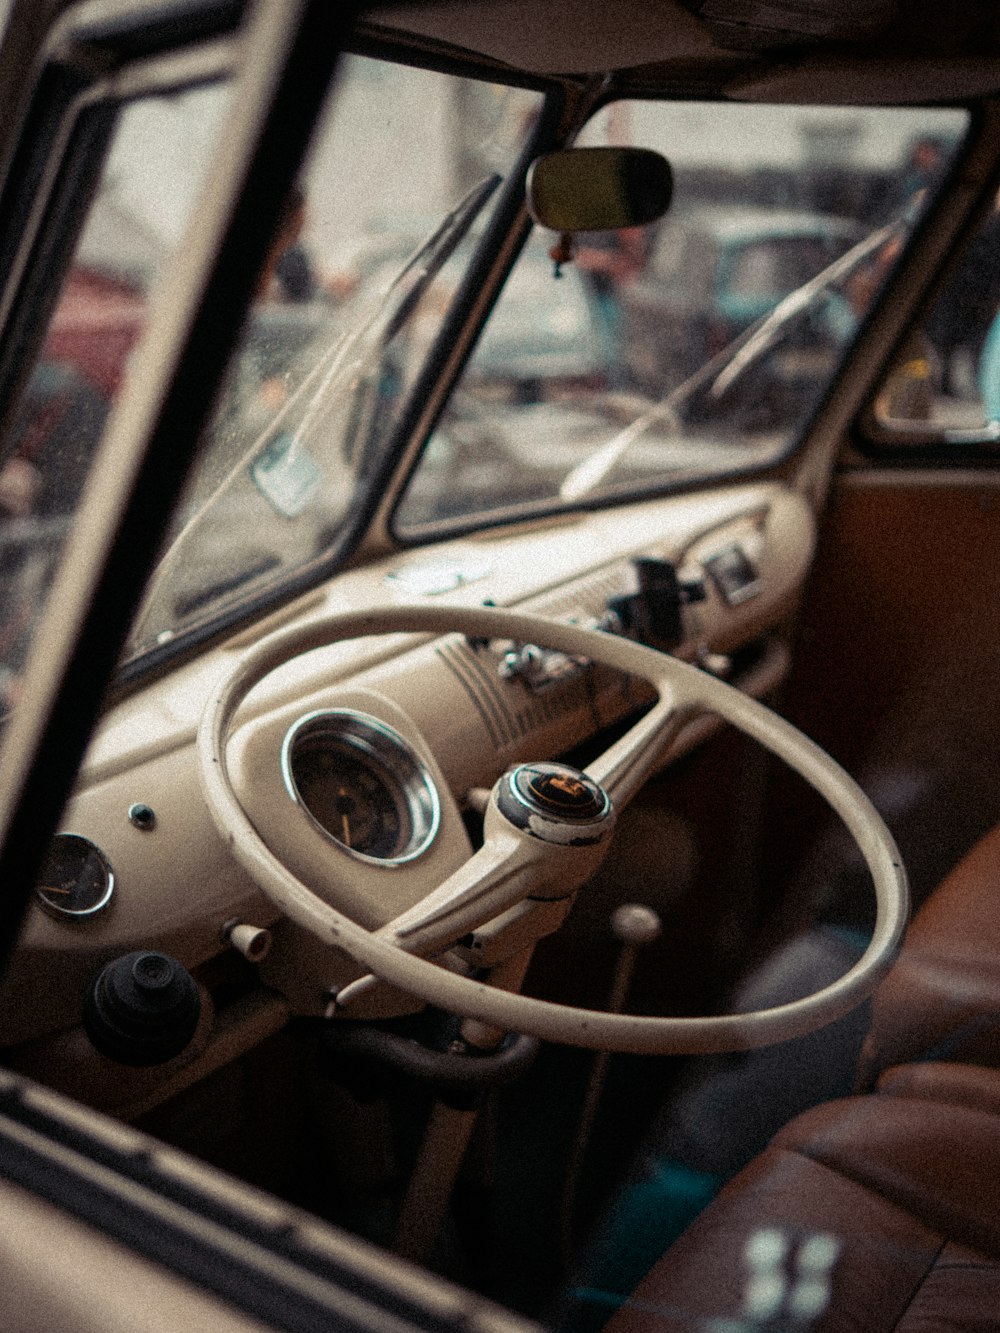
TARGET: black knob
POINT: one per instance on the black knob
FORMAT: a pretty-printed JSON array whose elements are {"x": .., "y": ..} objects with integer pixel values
[
  {"x": 143, "y": 1009},
  {"x": 652, "y": 614}
]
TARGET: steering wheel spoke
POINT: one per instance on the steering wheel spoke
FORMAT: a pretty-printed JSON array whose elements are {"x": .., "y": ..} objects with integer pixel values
[
  {"x": 500, "y": 874},
  {"x": 624, "y": 766}
]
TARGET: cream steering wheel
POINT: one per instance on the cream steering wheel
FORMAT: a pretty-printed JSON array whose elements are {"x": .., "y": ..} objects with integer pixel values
[{"x": 525, "y": 849}]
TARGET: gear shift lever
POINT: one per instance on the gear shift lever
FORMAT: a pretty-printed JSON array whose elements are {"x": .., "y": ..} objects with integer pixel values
[{"x": 635, "y": 926}]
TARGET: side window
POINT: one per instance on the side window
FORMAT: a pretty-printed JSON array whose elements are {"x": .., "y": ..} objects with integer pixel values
[
  {"x": 944, "y": 387},
  {"x": 158, "y": 152}
]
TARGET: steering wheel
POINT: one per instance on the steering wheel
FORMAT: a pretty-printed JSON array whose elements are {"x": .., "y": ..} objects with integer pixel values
[{"x": 546, "y": 830}]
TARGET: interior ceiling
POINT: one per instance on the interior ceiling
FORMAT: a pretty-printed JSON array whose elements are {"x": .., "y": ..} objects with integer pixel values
[
  {"x": 827, "y": 50},
  {"x": 555, "y": 37}
]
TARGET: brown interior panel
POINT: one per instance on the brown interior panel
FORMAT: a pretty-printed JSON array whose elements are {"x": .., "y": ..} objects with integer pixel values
[{"x": 895, "y": 671}]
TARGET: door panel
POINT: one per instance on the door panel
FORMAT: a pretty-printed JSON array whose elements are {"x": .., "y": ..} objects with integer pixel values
[{"x": 896, "y": 670}]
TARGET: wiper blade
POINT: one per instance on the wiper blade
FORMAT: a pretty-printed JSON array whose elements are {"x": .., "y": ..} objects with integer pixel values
[
  {"x": 371, "y": 338},
  {"x": 720, "y": 373},
  {"x": 767, "y": 329},
  {"x": 319, "y": 413},
  {"x": 588, "y": 475}
]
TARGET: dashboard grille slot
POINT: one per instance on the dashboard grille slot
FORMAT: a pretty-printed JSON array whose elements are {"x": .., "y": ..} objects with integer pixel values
[
  {"x": 483, "y": 689},
  {"x": 585, "y": 600}
]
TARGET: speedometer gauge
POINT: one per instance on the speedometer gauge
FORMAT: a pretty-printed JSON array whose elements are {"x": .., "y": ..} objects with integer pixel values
[{"x": 362, "y": 784}]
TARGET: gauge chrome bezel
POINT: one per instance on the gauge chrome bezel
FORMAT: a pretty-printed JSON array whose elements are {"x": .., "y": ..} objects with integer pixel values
[
  {"x": 60, "y": 913},
  {"x": 394, "y": 760}
]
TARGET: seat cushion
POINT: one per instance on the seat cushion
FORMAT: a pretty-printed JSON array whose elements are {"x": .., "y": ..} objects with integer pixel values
[
  {"x": 946, "y": 1083},
  {"x": 942, "y": 998},
  {"x": 899, "y": 1189}
]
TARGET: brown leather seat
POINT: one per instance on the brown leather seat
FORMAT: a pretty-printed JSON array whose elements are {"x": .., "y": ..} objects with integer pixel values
[
  {"x": 881, "y": 1211},
  {"x": 878, "y": 1212},
  {"x": 942, "y": 999}
]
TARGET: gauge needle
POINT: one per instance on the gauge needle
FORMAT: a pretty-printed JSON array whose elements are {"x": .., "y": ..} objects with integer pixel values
[
  {"x": 51, "y": 888},
  {"x": 344, "y": 824}
]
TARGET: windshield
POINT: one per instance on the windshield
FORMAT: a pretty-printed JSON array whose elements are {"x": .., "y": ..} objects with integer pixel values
[
  {"x": 696, "y": 347},
  {"x": 699, "y": 346},
  {"x": 368, "y": 259}
]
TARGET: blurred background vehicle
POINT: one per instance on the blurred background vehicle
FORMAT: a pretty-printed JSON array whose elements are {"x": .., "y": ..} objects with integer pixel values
[{"x": 711, "y": 273}]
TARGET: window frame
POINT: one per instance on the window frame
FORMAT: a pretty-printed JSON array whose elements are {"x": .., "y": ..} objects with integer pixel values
[
  {"x": 912, "y": 444},
  {"x": 285, "y": 58},
  {"x": 91, "y": 67}
]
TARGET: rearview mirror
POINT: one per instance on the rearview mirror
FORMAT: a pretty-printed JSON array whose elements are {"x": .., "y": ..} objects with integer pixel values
[{"x": 599, "y": 189}]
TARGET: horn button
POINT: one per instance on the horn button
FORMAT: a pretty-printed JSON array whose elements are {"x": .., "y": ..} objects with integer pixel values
[{"x": 555, "y": 802}]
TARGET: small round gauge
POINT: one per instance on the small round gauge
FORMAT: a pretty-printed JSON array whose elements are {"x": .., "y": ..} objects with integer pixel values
[
  {"x": 362, "y": 784},
  {"x": 76, "y": 880}
]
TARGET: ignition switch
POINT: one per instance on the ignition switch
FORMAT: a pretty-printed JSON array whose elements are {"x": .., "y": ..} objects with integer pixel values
[
  {"x": 652, "y": 614},
  {"x": 537, "y": 667}
]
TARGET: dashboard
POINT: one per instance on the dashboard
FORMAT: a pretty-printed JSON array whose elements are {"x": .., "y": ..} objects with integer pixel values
[{"x": 363, "y": 764}]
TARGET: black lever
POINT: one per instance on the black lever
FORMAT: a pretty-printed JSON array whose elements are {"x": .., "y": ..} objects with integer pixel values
[{"x": 652, "y": 614}]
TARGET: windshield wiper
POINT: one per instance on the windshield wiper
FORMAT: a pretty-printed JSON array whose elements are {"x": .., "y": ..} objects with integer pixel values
[
  {"x": 723, "y": 370},
  {"x": 353, "y": 359},
  {"x": 767, "y": 330},
  {"x": 322, "y": 414}
]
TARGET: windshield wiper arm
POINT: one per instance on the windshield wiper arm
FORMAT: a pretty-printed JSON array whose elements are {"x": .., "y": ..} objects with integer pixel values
[
  {"x": 384, "y": 322},
  {"x": 727, "y": 366},
  {"x": 767, "y": 330},
  {"x": 438, "y": 249},
  {"x": 589, "y": 474}
]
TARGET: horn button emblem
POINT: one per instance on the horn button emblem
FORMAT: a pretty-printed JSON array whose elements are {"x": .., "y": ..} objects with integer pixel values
[
  {"x": 563, "y": 791},
  {"x": 553, "y": 800}
]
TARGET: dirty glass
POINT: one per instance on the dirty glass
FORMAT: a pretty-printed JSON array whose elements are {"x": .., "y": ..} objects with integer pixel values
[
  {"x": 158, "y": 153},
  {"x": 406, "y": 170},
  {"x": 700, "y": 345}
]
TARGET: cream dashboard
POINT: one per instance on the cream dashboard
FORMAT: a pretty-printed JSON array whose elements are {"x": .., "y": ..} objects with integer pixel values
[{"x": 360, "y": 763}]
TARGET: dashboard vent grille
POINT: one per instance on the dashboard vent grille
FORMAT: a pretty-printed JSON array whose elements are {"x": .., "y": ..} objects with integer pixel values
[
  {"x": 584, "y": 600},
  {"x": 484, "y": 688}
]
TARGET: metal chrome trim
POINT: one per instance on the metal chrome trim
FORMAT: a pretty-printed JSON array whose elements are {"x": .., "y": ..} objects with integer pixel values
[
  {"x": 383, "y": 745},
  {"x": 67, "y": 914}
]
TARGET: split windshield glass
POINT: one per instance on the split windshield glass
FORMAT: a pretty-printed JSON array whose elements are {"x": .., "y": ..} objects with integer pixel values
[{"x": 697, "y": 347}]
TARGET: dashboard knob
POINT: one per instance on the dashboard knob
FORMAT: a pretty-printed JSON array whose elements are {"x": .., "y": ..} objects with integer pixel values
[
  {"x": 652, "y": 612},
  {"x": 142, "y": 1009},
  {"x": 253, "y": 942}
]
